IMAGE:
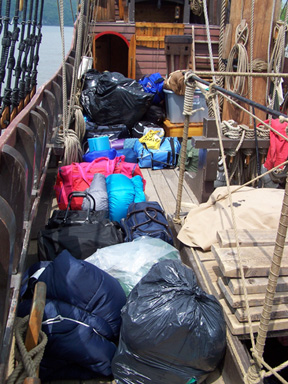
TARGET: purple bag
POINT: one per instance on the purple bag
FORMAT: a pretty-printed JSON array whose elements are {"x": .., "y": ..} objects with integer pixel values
[{"x": 117, "y": 144}]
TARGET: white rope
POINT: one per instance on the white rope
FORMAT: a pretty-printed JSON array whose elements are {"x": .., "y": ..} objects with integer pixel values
[
  {"x": 237, "y": 84},
  {"x": 250, "y": 81},
  {"x": 269, "y": 46}
]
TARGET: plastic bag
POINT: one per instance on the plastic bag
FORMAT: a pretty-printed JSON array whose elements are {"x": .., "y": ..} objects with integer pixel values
[
  {"x": 115, "y": 99},
  {"x": 129, "y": 262},
  {"x": 172, "y": 331}
]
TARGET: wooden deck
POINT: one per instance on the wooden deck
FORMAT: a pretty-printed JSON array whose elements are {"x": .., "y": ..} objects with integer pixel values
[{"x": 162, "y": 186}]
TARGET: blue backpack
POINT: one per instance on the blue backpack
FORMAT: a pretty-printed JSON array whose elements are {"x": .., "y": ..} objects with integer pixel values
[
  {"x": 146, "y": 218},
  {"x": 153, "y": 84}
]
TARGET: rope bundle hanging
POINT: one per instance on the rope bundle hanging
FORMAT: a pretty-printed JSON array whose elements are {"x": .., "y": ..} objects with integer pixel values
[
  {"x": 196, "y": 7},
  {"x": 238, "y": 52},
  {"x": 258, "y": 65},
  {"x": 277, "y": 58}
]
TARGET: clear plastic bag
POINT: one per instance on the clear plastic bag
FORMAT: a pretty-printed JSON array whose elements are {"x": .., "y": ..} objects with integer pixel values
[{"x": 129, "y": 262}]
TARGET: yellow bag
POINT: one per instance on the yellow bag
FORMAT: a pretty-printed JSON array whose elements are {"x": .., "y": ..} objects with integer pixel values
[{"x": 151, "y": 139}]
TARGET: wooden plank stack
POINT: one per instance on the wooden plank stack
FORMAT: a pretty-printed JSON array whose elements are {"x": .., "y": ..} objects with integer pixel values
[{"x": 256, "y": 253}]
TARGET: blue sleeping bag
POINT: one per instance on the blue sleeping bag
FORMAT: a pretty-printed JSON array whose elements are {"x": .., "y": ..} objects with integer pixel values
[
  {"x": 122, "y": 191},
  {"x": 81, "y": 318}
]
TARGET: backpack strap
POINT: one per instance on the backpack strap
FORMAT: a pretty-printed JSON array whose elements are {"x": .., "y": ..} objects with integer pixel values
[{"x": 148, "y": 214}]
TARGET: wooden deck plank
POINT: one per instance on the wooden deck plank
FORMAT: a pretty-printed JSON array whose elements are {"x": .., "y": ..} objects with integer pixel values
[
  {"x": 166, "y": 197},
  {"x": 150, "y": 191}
]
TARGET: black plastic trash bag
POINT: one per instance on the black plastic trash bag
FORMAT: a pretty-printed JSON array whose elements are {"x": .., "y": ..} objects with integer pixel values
[
  {"x": 114, "y": 99},
  {"x": 171, "y": 332}
]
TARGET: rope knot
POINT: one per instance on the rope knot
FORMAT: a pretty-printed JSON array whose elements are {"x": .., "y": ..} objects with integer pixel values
[{"x": 211, "y": 94}]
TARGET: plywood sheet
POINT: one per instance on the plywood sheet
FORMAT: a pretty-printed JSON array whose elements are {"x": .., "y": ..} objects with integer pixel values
[{"x": 256, "y": 261}]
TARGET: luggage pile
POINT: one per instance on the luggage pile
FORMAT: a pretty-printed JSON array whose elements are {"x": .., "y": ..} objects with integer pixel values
[{"x": 120, "y": 304}]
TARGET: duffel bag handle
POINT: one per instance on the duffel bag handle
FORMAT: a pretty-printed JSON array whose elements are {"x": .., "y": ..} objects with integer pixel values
[
  {"x": 150, "y": 217},
  {"x": 90, "y": 199}
]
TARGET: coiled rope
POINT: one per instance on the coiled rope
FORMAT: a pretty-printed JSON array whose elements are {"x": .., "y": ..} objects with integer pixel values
[
  {"x": 236, "y": 84},
  {"x": 27, "y": 362},
  {"x": 196, "y": 7},
  {"x": 277, "y": 58}
]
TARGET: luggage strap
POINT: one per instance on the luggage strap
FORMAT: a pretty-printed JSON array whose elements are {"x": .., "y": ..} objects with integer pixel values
[
  {"x": 169, "y": 155},
  {"x": 150, "y": 217},
  {"x": 84, "y": 194}
]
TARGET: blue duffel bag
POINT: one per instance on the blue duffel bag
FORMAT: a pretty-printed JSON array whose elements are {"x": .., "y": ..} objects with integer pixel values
[
  {"x": 164, "y": 157},
  {"x": 88, "y": 157},
  {"x": 146, "y": 219}
]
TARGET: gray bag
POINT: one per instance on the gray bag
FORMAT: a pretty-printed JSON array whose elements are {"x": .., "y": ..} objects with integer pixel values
[{"x": 98, "y": 190}]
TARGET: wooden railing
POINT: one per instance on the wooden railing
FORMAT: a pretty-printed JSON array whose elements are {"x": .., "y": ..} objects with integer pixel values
[{"x": 25, "y": 151}]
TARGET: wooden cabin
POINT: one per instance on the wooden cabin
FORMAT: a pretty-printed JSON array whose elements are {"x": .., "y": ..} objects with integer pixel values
[{"x": 136, "y": 38}]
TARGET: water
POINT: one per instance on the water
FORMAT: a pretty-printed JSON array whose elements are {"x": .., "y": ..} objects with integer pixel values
[{"x": 50, "y": 53}]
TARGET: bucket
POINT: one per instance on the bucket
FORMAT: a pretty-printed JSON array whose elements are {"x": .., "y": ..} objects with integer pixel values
[{"x": 98, "y": 143}]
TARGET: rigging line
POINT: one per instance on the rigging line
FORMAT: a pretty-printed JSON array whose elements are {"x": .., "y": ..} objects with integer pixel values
[
  {"x": 36, "y": 56},
  {"x": 236, "y": 96},
  {"x": 71, "y": 8},
  {"x": 210, "y": 53},
  {"x": 271, "y": 286},
  {"x": 5, "y": 110},
  {"x": 254, "y": 74},
  {"x": 257, "y": 148},
  {"x": 250, "y": 82},
  {"x": 24, "y": 61},
  {"x": 77, "y": 63},
  {"x": 1, "y": 25},
  {"x": 269, "y": 45},
  {"x": 61, "y": 19},
  {"x": 28, "y": 86},
  {"x": 257, "y": 118},
  {"x": 18, "y": 69},
  {"x": 233, "y": 216},
  {"x": 221, "y": 65},
  {"x": 6, "y": 39}
]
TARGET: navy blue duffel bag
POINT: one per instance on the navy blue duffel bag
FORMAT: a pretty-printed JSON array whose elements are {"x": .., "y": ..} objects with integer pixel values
[{"x": 146, "y": 219}]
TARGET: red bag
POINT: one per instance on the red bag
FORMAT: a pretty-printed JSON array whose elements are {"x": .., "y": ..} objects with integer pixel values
[{"x": 78, "y": 177}]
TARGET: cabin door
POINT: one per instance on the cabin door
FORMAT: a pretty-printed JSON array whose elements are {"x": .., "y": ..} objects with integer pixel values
[{"x": 110, "y": 53}]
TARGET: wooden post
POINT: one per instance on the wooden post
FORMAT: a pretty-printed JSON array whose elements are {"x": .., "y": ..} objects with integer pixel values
[{"x": 35, "y": 322}]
